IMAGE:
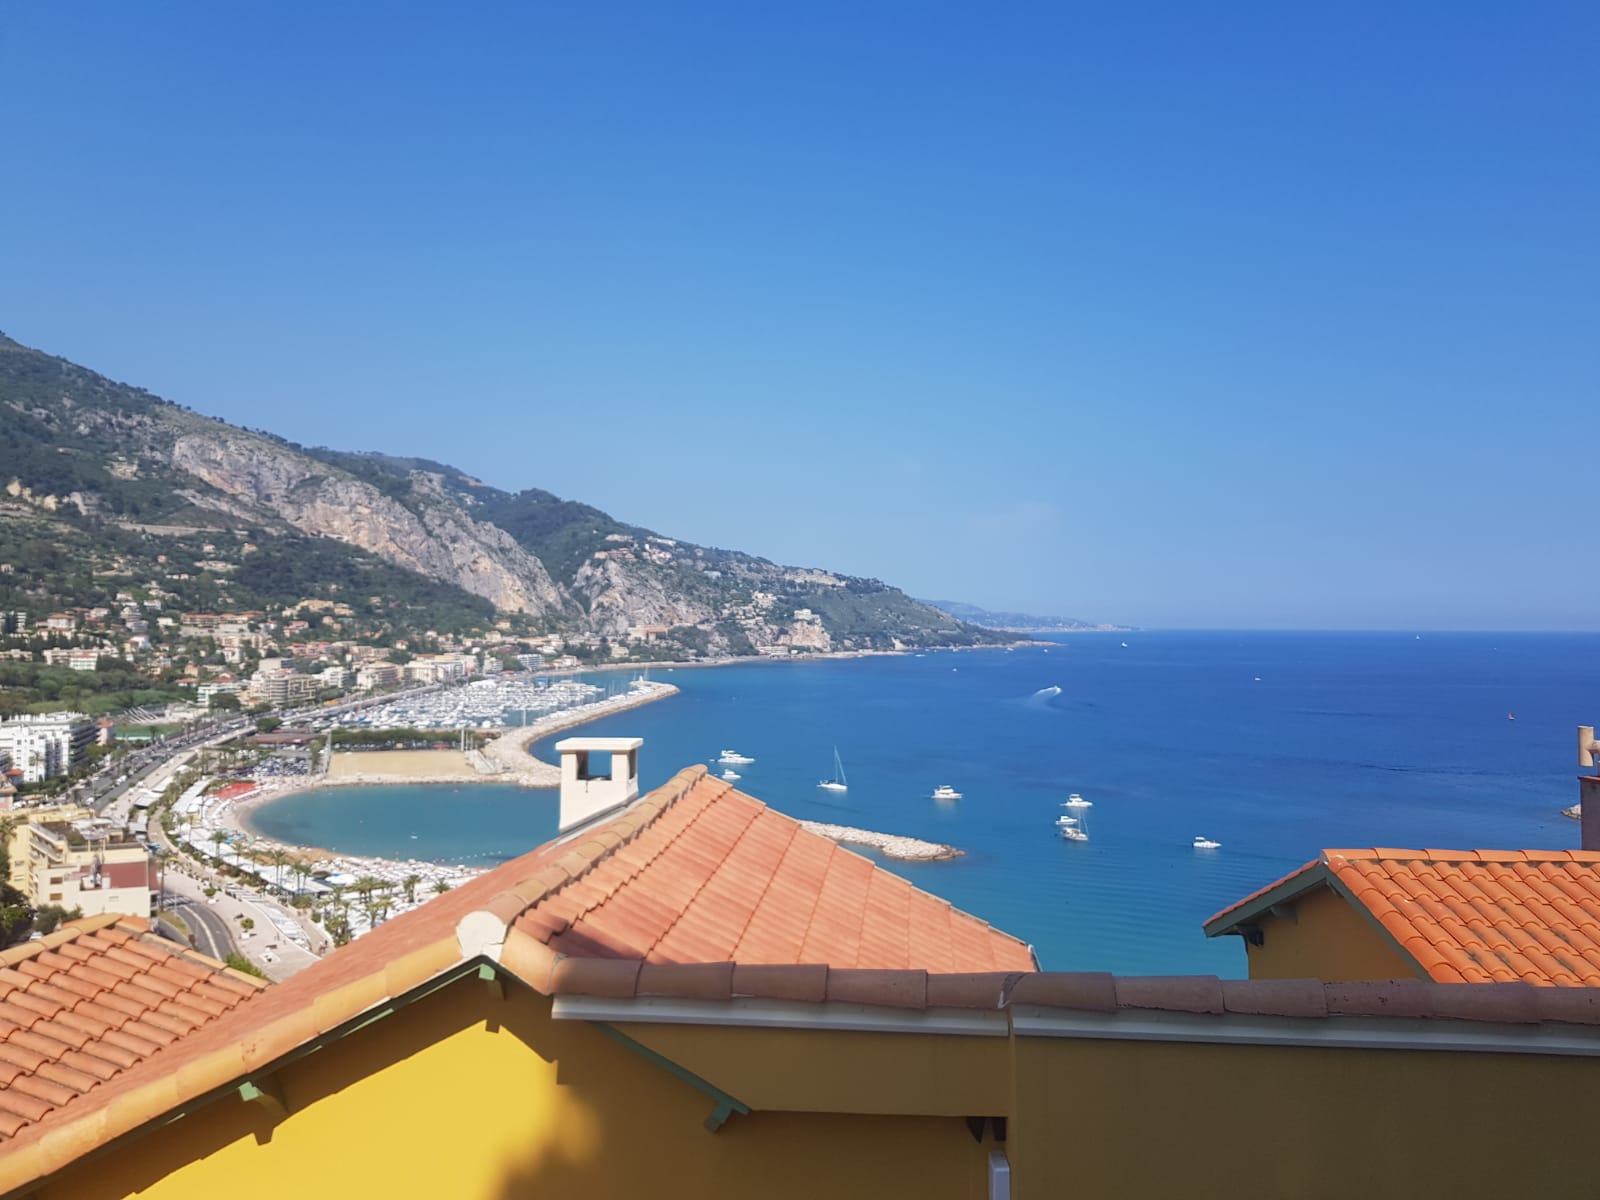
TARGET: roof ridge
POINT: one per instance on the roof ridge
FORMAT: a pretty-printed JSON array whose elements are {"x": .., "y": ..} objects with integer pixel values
[{"x": 68, "y": 931}]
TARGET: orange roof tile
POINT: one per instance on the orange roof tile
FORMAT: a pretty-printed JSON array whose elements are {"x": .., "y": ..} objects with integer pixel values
[
  {"x": 92, "y": 1000},
  {"x": 718, "y": 876},
  {"x": 1464, "y": 916}
]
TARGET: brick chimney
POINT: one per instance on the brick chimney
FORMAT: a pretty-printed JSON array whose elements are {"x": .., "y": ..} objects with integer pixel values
[
  {"x": 586, "y": 793},
  {"x": 1588, "y": 790}
]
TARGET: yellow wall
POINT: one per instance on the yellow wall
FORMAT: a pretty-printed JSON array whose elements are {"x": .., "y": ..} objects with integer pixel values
[
  {"x": 826, "y": 1071},
  {"x": 1326, "y": 939},
  {"x": 435, "y": 1102},
  {"x": 1146, "y": 1119}
]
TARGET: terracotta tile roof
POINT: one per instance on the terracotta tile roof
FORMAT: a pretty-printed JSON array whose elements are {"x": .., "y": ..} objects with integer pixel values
[
  {"x": 617, "y": 937},
  {"x": 1464, "y": 916},
  {"x": 720, "y": 877},
  {"x": 90, "y": 1001},
  {"x": 704, "y": 824}
]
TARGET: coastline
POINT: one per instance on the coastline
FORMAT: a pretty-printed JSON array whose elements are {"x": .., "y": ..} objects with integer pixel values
[{"x": 524, "y": 771}]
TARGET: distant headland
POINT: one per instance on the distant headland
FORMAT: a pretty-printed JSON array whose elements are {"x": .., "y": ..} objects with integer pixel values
[{"x": 1016, "y": 622}]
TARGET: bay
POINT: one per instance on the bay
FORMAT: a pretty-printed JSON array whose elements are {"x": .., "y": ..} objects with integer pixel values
[{"x": 1275, "y": 744}]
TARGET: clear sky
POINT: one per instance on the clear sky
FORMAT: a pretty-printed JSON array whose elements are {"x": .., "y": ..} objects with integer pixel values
[{"x": 1249, "y": 314}]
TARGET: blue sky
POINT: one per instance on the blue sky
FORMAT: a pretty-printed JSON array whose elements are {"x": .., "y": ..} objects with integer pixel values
[{"x": 1202, "y": 315}]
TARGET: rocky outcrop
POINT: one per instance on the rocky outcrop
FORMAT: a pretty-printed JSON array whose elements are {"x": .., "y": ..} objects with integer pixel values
[
  {"x": 619, "y": 594},
  {"x": 435, "y": 539}
]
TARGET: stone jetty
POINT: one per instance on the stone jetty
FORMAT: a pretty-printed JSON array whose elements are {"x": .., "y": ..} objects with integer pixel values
[{"x": 890, "y": 845}]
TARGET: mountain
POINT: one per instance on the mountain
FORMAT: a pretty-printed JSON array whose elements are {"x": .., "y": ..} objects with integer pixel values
[
  {"x": 103, "y": 480},
  {"x": 1015, "y": 622}
]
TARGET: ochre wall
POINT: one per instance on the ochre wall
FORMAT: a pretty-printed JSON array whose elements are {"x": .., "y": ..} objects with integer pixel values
[
  {"x": 828, "y": 1071},
  {"x": 1327, "y": 939},
  {"x": 1109, "y": 1119},
  {"x": 435, "y": 1102},
  {"x": 438, "y": 1102}
]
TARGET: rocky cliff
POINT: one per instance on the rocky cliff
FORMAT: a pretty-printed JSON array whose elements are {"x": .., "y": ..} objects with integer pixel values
[{"x": 432, "y": 537}]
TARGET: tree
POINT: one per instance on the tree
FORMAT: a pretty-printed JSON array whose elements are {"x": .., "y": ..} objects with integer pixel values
[
  {"x": 219, "y": 839},
  {"x": 267, "y": 724},
  {"x": 224, "y": 702},
  {"x": 278, "y": 856},
  {"x": 410, "y": 885},
  {"x": 440, "y": 887},
  {"x": 247, "y": 924}
]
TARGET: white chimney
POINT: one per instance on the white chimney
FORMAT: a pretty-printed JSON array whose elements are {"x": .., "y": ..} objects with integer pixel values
[{"x": 586, "y": 795}]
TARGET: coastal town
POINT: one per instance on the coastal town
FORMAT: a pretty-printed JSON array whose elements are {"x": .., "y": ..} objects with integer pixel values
[{"x": 475, "y": 718}]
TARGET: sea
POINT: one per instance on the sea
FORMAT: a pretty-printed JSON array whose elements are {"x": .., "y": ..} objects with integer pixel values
[{"x": 1276, "y": 745}]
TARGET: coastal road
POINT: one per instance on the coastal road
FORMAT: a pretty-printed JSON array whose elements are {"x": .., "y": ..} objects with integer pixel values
[{"x": 211, "y": 933}]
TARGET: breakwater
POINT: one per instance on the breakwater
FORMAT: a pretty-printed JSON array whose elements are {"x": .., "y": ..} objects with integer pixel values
[{"x": 890, "y": 845}]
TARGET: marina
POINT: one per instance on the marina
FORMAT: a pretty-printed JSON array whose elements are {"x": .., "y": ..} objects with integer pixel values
[{"x": 480, "y": 704}]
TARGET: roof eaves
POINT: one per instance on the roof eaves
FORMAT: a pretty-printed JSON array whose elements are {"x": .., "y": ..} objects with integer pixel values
[
  {"x": 1247, "y": 911},
  {"x": 166, "y": 1083},
  {"x": 714, "y": 994}
]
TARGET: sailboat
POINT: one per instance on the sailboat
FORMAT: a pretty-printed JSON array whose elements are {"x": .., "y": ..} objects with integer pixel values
[{"x": 838, "y": 783}]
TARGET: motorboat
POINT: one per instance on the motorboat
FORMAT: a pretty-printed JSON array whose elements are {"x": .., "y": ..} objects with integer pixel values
[
  {"x": 945, "y": 792},
  {"x": 838, "y": 783},
  {"x": 1204, "y": 843},
  {"x": 734, "y": 758},
  {"x": 1076, "y": 801},
  {"x": 1073, "y": 834},
  {"x": 1064, "y": 820},
  {"x": 730, "y": 775}
]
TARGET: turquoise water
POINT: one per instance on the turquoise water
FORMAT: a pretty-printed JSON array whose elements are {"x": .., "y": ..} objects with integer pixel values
[{"x": 1345, "y": 740}]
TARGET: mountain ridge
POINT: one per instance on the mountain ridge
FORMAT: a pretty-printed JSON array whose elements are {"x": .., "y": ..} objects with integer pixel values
[{"x": 93, "y": 455}]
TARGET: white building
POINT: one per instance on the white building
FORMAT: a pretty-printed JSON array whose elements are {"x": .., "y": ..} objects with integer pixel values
[
  {"x": 377, "y": 675},
  {"x": 339, "y": 677},
  {"x": 45, "y": 745}
]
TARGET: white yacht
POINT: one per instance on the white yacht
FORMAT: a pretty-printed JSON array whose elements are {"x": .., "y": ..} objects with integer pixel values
[
  {"x": 945, "y": 792},
  {"x": 734, "y": 758},
  {"x": 730, "y": 775},
  {"x": 838, "y": 783},
  {"x": 1063, "y": 820},
  {"x": 1076, "y": 801},
  {"x": 1204, "y": 843},
  {"x": 1073, "y": 834}
]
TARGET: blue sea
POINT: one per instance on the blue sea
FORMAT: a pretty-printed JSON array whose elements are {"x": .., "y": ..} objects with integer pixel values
[{"x": 1274, "y": 744}]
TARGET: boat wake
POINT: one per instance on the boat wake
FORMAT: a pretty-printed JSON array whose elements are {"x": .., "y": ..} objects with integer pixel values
[{"x": 1043, "y": 696}]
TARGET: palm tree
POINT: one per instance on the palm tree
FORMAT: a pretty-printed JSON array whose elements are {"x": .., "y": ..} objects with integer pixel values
[
  {"x": 9, "y": 824},
  {"x": 367, "y": 884},
  {"x": 410, "y": 885},
  {"x": 219, "y": 839},
  {"x": 301, "y": 870},
  {"x": 278, "y": 856},
  {"x": 440, "y": 887}
]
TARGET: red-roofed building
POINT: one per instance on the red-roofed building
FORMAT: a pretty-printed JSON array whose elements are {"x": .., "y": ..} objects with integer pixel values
[
  {"x": 1452, "y": 916},
  {"x": 560, "y": 1027}
]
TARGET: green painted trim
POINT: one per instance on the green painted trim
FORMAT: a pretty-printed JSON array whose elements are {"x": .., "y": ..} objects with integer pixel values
[
  {"x": 488, "y": 972},
  {"x": 726, "y": 1105},
  {"x": 1302, "y": 881}
]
